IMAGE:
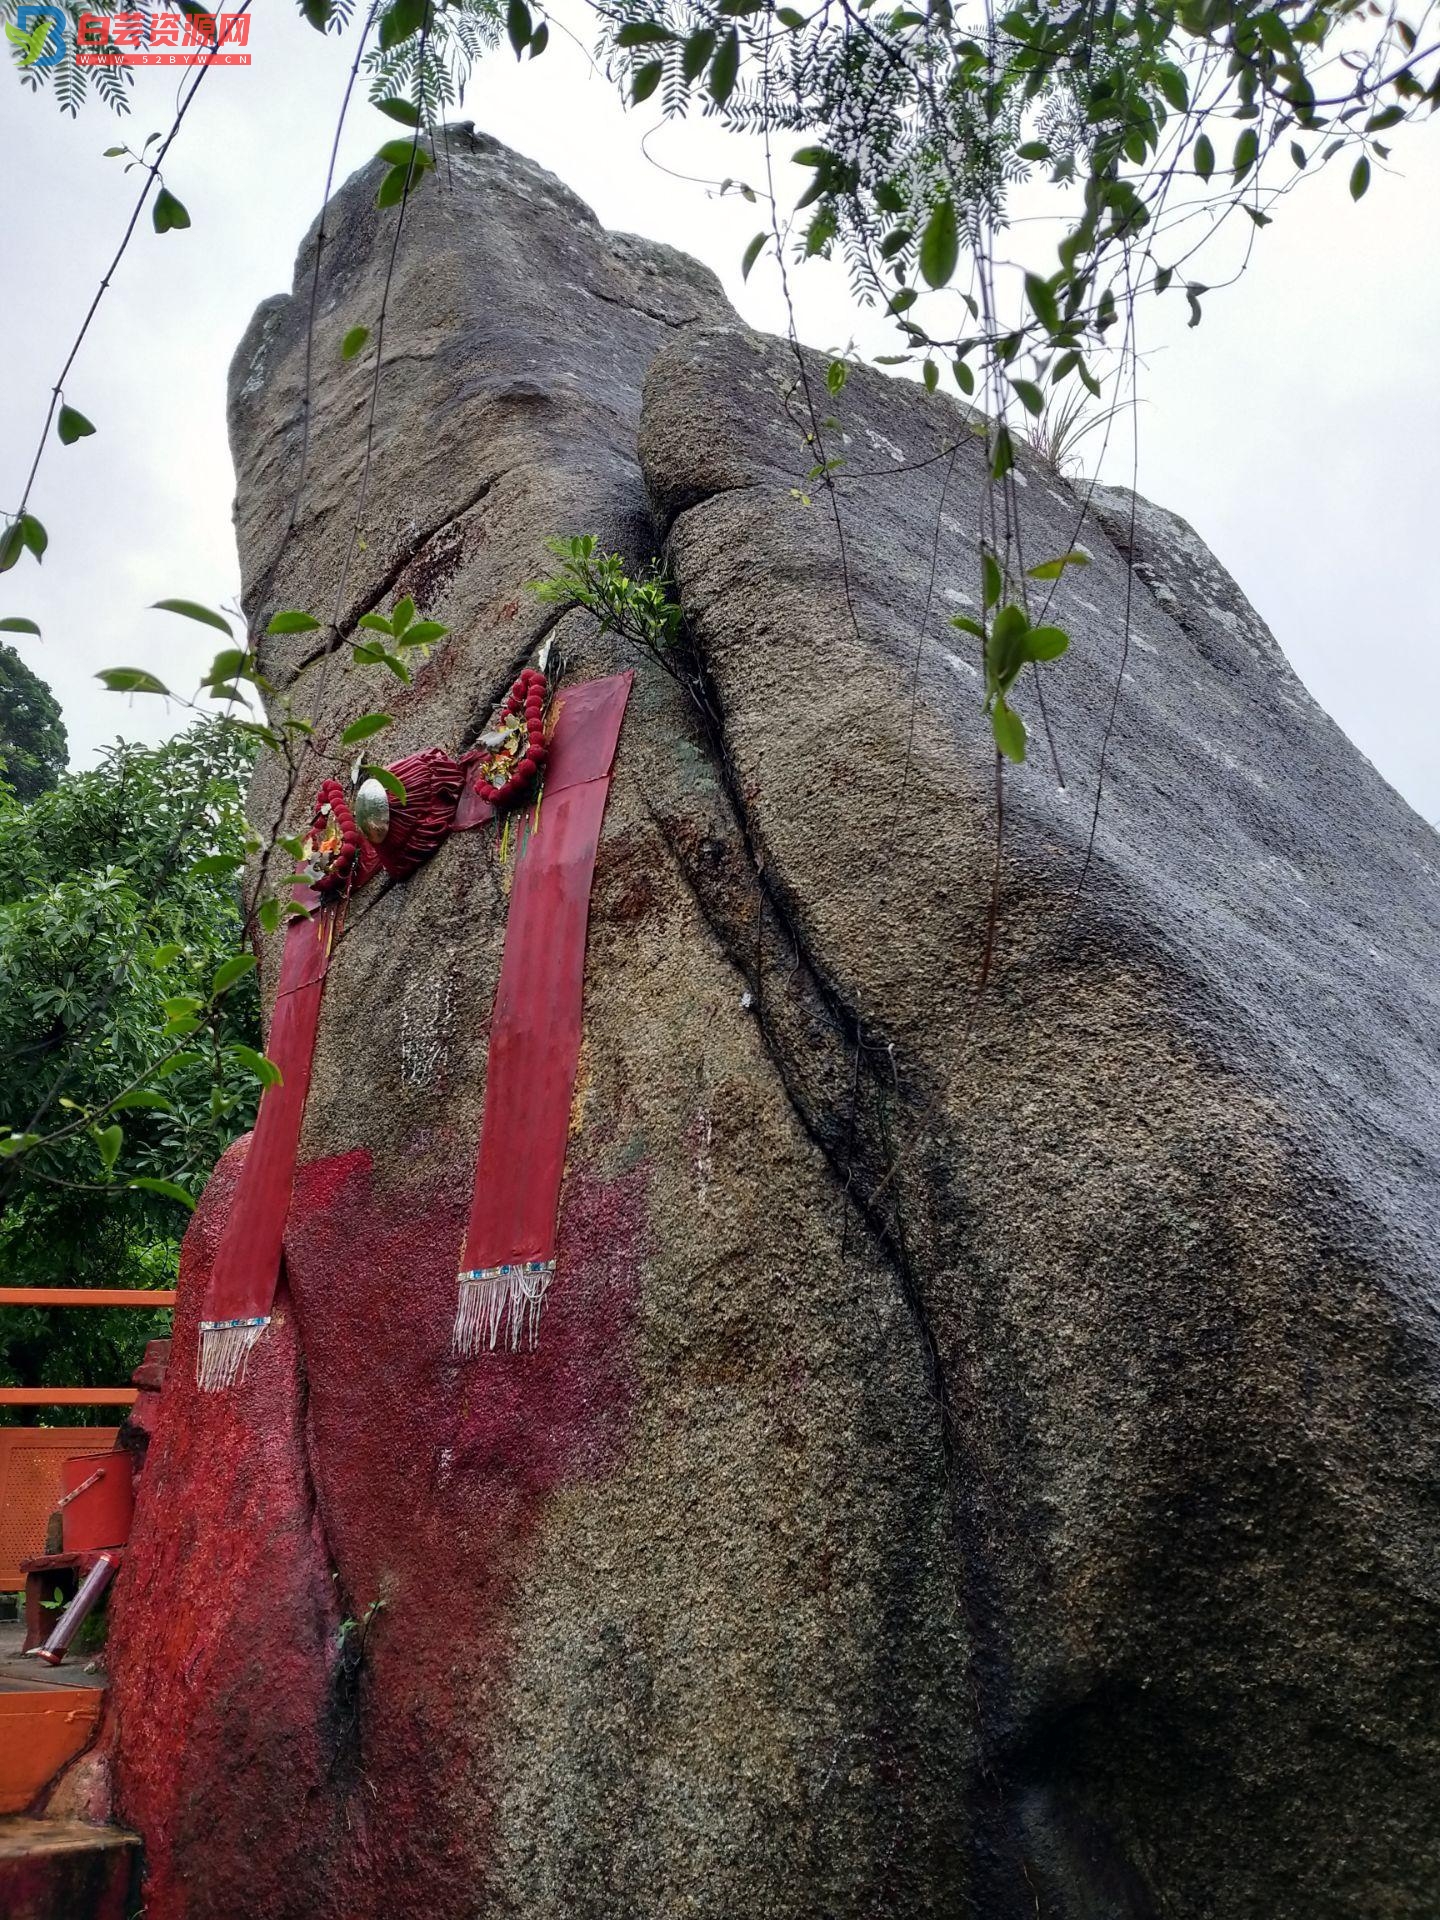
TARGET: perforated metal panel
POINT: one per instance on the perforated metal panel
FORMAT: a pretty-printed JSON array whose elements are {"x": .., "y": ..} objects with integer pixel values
[{"x": 30, "y": 1460}]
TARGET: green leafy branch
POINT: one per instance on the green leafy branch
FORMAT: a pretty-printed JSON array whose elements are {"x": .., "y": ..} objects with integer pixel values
[{"x": 1010, "y": 643}]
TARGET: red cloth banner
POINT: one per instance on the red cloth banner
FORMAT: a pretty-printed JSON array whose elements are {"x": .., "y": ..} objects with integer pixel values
[
  {"x": 241, "y": 1288},
  {"x": 509, "y": 1255}
]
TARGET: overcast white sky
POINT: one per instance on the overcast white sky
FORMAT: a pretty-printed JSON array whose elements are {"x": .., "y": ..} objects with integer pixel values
[{"x": 1298, "y": 428}]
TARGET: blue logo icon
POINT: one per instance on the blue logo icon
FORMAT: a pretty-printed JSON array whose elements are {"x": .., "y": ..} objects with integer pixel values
[{"x": 45, "y": 49}]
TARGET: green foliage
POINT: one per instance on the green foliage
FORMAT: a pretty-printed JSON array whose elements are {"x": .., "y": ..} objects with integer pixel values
[
  {"x": 128, "y": 1033},
  {"x": 917, "y": 123},
  {"x": 71, "y": 83},
  {"x": 425, "y": 55},
  {"x": 33, "y": 747},
  {"x": 1011, "y": 643},
  {"x": 71, "y": 425},
  {"x": 168, "y": 214},
  {"x": 409, "y": 635},
  {"x": 641, "y": 609}
]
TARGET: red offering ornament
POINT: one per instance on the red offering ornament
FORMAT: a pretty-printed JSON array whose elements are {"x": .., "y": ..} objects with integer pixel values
[
  {"x": 419, "y": 823},
  {"x": 514, "y": 750},
  {"x": 335, "y": 855}
]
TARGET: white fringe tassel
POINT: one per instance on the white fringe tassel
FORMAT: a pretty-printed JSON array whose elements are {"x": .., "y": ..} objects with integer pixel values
[
  {"x": 501, "y": 1306},
  {"x": 224, "y": 1348}
]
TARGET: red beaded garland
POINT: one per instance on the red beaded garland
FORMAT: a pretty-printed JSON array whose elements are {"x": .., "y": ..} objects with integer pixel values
[
  {"x": 332, "y": 794},
  {"x": 527, "y": 695}
]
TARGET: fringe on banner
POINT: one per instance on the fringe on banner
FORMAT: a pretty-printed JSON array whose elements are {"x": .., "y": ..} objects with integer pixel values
[
  {"x": 501, "y": 1306},
  {"x": 224, "y": 1349}
]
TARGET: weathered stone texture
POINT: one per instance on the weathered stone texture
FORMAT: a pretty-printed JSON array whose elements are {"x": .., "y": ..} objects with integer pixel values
[{"x": 981, "y": 1455}]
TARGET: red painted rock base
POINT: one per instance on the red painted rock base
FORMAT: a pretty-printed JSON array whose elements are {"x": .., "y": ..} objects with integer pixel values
[{"x": 318, "y": 1596}]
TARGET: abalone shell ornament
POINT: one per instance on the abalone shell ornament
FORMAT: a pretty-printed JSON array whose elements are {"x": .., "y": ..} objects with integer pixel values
[{"x": 372, "y": 810}]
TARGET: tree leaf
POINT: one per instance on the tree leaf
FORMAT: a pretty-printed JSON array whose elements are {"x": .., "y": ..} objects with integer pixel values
[
  {"x": 930, "y": 374},
  {"x": 229, "y": 971},
  {"x": 1174, "y": 86},
  {"x": 404, "y": 153},
  {"x": 168, "y": 213},
  {"x": 16, "y": 623},
  {"x": 392, "y": 187},
  {"x": 177, "y": 1063},
  {"x": 1052, "y": 569},
  {"x": 108, "y": 1142},
  {"x": 964, "y": 377},
  {"x": 393, "y": 785},
  {"x": 264, "y": 1070},
  {"x": 1041, "y": 295},
  {"x": 940, "y": 244},
  {"x": 401, "y": 614},
  {"x": 1204, "y": 156},
  {"x": 401, "y": 20},
  {"x": 725, "y": 68},
  {"x": 224, "y": 667},
  {"x": 1003, "y": 458},
  {"x": 1029, "y": 395},
  {"x": 131, "y": 680},
  {"x": 353, "y": 342},
  {"x": 12, "y": 545},
  {"x": 1046, "y": 643},
  {"x": 967, "y": 625},
  {"x": 34, "y": 535},
  {"x": 642, "y": 33},
  {"x": 144, "y": 1097},
  {"x": 752, "y": 254},
  {"x": 216, "y": 863},
  {"x": 647, "y": 79},
  {"x": 423, "y": 634},
  {"x": 292, "y": 620},
  {"x": 72, "y": 426},
  {"x": 361, "y": 729},
  {"x": 1359, "y": 178},
  {"x": 992, "y": 578},
  {"x": 1247, "y": 148},
  {"x": 402, "y": 110},
  {"x": 1009, "y": 730},
  {"x": 167, "y": 1190},
  {"x": 696, "y": 55},
  {"x": 518, "y": 26},
  {"x": 192, "y": 610},
  {"x": 376, "y": 623}
]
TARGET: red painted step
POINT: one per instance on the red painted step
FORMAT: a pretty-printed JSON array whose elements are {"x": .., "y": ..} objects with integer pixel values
[{"x": 63, "y": 1870}]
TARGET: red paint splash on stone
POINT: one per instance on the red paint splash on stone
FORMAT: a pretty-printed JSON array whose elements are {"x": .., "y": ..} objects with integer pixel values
[{"x": 271, "y": 1772}]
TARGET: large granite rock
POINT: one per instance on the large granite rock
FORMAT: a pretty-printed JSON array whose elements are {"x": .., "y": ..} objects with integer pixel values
[{"x": 981, "y": 1453}]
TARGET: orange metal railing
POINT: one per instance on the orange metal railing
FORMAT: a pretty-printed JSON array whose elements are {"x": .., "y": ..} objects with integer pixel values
[
  {"x": 77, "y": 1297},
  {"x": 30, "y": 1457}
]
